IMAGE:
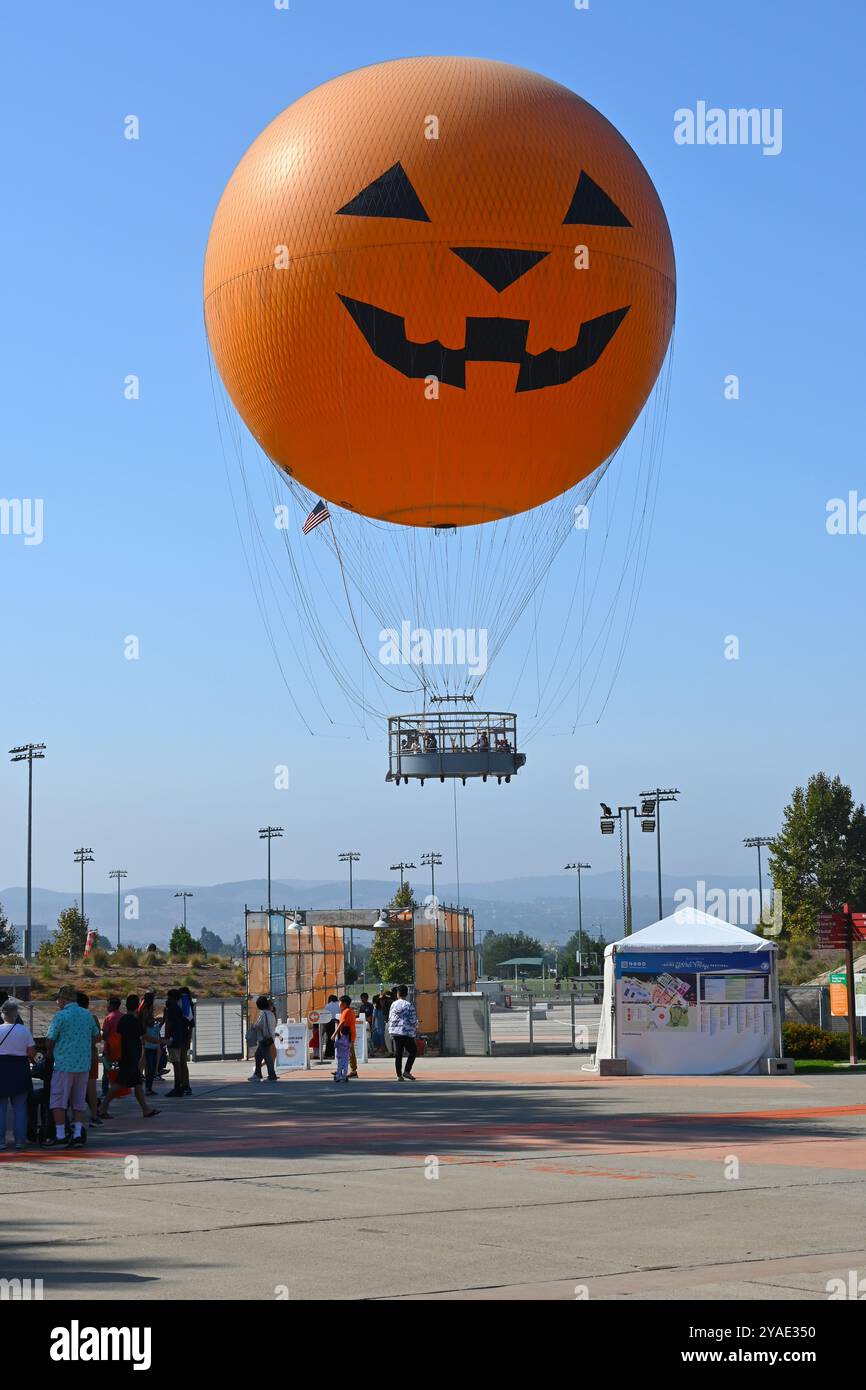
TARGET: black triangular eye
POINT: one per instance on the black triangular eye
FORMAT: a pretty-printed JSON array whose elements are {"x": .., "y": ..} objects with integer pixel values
[
  {"x": 390, "y": 195},
  {"x": 592, "y": 207}
]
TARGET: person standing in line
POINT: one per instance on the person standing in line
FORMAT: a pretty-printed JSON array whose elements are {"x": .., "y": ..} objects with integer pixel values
[
  {"x": 17, "y": 1050},
  {"x": 71, "y": 1036},
  {"x": 266, "y": 1025},
  {"x": 332, "y": 1009},
  {"x": 388, "y": 998},
  {"x": 403, "y": 1025},
  {"x": 109, "y": 1024},
  {"x": 347, "y": 1020},
  {"x": 342, "y": 1048},
  {"x": 83, "y": 1001},
  {"x": 187, "y": 1008},
  {"x": 378, "y": 1036},
  {"x": 151, "y": 1024},
  {"x": 176, "y": 1036},
  {"x": 130, "y": 1030}
]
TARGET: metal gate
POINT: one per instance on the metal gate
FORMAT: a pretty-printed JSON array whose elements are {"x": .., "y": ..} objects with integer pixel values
[
  {"x": 535, "y": 1023},
  {"x": 465, "y": 1025},
  {"x": 219, "y": 1030}
]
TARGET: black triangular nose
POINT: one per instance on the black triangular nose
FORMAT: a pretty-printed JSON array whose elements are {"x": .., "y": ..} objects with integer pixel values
[{"x": 500, "y": 266}]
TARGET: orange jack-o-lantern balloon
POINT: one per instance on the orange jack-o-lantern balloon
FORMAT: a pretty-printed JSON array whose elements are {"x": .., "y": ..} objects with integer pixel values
[{"x": 439, "y": 290}]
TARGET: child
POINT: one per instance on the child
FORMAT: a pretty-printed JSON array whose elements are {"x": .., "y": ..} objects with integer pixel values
[{"x": 342, "y": 1044}]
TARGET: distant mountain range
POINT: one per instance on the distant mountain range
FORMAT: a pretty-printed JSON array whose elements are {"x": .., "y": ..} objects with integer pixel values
[{"x": 544, "y": 906}]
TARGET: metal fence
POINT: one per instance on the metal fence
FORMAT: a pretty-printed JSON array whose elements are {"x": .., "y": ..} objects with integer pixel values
[
  {"x": 219, "y": 1030},
  {"x": 533, "y": 1024}
]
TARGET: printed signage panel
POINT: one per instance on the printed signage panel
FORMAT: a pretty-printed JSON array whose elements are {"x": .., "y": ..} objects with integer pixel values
[{"x": 716, "y": 1003}]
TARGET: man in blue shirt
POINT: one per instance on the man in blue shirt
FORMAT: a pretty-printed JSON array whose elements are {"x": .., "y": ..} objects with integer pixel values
[{"x": 72, "y": 1036}]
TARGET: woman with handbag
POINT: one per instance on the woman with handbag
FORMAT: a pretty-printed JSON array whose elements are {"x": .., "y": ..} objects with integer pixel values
[
  {"x": 262, "y": 1033},
  {"x": 17, "y": 1050}
]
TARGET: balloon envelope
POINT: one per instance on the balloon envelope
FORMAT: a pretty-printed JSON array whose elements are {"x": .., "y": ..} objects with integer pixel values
[{"x": 439, "y": 290}]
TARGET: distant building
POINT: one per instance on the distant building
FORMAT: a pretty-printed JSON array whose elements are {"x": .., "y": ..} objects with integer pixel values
[{"x": 38, "y": 933}]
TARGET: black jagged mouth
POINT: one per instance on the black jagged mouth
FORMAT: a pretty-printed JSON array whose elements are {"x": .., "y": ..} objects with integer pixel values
[{"x": 487, "y": 340}]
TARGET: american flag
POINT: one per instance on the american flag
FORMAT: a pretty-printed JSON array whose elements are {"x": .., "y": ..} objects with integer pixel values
[{"x": 319, "y": 514}]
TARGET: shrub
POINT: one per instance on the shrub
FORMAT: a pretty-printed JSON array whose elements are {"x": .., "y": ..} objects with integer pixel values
[
  {"x": 99, "y": 957},
  {"x": 197, "y": 961},
  {"x": 190, "y": 980},
  {"x": 108, "y": 985},
  {"x": 88, "y": 973},
  {"x": 224, "y": 965},
  {"x": 153, "y": 958},
  {"x": 125, "y": 956},
  {"x": 805, "y": 1041}
]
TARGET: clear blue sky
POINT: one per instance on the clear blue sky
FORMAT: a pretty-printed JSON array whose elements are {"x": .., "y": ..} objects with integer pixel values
[{"x": 164, "y": 765}]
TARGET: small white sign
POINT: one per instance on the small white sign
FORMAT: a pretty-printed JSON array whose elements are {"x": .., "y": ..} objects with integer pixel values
[{"x": 293, "y": 1046}]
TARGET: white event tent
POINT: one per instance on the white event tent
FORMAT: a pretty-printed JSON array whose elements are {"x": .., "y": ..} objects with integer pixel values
[{"x": 690, "y": 995}]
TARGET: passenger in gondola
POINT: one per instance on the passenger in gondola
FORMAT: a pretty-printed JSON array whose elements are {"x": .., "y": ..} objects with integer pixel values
[
  {"x": 430, "y": 744},
  {"x": 482, "y": 743}
]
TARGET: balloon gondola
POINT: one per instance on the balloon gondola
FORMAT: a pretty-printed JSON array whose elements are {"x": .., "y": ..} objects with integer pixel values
[{"x": 443, "y": 745}]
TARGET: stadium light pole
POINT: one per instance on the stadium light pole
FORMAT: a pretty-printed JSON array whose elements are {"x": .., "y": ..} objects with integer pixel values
[
  {"x": 608, "y": 818},
  {"x": 270, "y": 832},
  {"x": 653, "y": 800},
  {"x": 756, "y": 842},
  {"x": 82, "y": 856},
  {"x": 118, "y": 874},
  {"x": 27, "y": 752},
  {"x": 579, "y": 918},
  {"x": 402, "y": 866},
  {"x": 350, "y": 857},
  {"x": 184, "y": 895},
  {"x": 430, "y": 861}
]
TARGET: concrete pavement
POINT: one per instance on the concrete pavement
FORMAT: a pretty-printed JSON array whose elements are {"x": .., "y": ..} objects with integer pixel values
[{"x": 487, "y": 1178}]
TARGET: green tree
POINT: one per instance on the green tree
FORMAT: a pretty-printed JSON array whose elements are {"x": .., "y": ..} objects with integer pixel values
[
  {"x": 390, "y": 957},
  {"x": 818, "y": 860},
  {"x": 182, "y": 942},
  {"x": 71, "y": 935},
  {"x": 8, "y": 935},
  {"x": 593, "y": 953},
  {"x": 211, "y": 944},
  {"x": 502, "y": 946},
  {"x": 404, "y": 897}
]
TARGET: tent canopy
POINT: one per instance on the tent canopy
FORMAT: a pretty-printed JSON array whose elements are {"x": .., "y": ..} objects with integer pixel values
[{"x": 689, "y": 929}]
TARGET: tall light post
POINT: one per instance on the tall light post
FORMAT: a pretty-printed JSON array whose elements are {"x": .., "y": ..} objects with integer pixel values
[
  {"x": 608, "y": 820},
  {"x": 579, "y": 867},
  {"x": 27, "y": 752},
  {"x": 651, "y": 805},
  {"x": 403, "y": 865},
  {"x": 350, "y": 857},
  {"x": 82, "y": 856},
  {"x": 184, "y": 895},
  {"x": 270, "y": 832},
  {"x": 430, "y": 861},
  {"x": 118, "y": 874},
  {"x": 756, "y": 842}
]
